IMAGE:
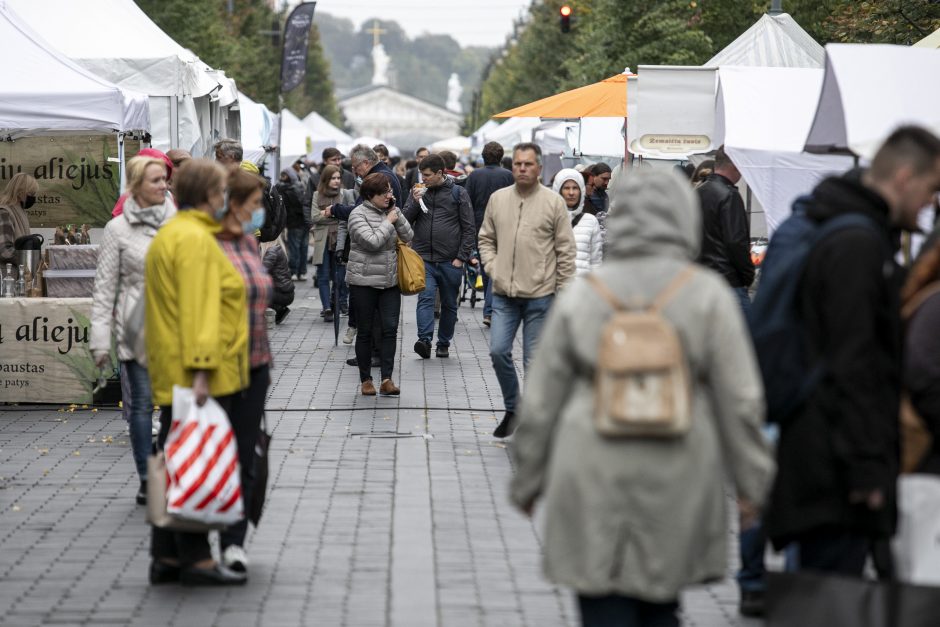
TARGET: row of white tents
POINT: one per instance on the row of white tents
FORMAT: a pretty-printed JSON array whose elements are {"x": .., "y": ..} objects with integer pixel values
[
  {"x": 788, "y": 111},
  {"x": 102, "y": 66}
]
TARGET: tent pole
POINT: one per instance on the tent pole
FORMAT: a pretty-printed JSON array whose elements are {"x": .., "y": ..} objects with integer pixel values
[
  {"x": 122, "y": 166},
  {"x": 627, "y": 160},
  {"x": 776, "y": 7},
  {"x": 174, "y": 122}
]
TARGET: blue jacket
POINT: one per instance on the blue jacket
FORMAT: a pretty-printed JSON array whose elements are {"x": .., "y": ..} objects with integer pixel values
[{"x": 481, "y": 184}]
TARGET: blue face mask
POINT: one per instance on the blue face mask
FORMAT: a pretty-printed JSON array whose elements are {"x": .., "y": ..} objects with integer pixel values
[
  {"x": 256, "y": 222},
  {"x": 221, "y": 211}
]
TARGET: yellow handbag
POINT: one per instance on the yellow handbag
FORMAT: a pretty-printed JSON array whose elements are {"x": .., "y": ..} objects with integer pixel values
[{"x": 410, "y": 270}]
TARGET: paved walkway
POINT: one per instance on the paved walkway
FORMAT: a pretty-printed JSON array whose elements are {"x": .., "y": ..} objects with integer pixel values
[{"x": 385, "y": 512}]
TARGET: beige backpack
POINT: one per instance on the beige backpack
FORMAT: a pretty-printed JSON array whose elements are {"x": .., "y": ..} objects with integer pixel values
[{"x": 641, "y": 382}]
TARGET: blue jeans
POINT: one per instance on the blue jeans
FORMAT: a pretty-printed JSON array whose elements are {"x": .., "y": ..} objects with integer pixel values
[
  {"x": 487, "y": 293},
  {"x": 446, "y": 278},
  {"x": 141, "y": 414},
  {"x": 508, "y": 314},
  {"x": 621, "y": 611},
  {"x": 329, "y": 271},
  {"x": 297, "y": 243}
]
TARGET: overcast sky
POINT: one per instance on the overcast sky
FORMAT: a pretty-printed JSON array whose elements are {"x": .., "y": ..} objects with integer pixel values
[{"x": 470, "y": 22}]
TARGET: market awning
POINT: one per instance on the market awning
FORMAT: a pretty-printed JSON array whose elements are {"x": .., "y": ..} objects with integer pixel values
[{"x": 605, "y": 99}]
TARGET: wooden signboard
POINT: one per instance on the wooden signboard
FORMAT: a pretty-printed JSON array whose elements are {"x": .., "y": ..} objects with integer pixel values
[
  {"x": 44, "y": 356},
  {"x": 78, "y": 176}
]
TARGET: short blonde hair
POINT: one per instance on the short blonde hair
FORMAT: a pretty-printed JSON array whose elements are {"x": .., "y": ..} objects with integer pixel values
[{"x": 136, "y": 168}]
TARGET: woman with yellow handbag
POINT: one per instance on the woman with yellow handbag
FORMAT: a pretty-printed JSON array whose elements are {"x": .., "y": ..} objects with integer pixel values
[{"x": 375, "y": 228}]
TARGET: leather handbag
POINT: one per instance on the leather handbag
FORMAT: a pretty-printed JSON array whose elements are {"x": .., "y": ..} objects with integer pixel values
[{"x": 410, "y": 270}]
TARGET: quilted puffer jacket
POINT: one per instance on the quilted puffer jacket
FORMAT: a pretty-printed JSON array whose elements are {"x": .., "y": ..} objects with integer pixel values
[{"x": 373, "y": 257}]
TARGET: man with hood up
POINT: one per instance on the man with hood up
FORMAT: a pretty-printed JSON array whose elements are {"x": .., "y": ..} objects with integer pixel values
[{"x": 589, "y": 242}]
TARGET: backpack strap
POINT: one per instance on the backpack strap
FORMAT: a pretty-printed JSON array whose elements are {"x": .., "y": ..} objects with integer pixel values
[
  {"x": 911, "y": 307},
  {"x": 605, "y": 293},
  {"x": 662, "y": 299},
  {"x": 659, "y": 301}
]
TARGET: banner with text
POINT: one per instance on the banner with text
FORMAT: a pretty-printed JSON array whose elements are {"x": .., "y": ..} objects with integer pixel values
[
  {"x": 78, "y": 176},
  {"x": 44, "y": 356}
]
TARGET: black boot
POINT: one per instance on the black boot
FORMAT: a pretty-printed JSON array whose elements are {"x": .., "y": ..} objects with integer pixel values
[
  {"x": 142, "y": 493},
  {"x": 507, "y": 426}
]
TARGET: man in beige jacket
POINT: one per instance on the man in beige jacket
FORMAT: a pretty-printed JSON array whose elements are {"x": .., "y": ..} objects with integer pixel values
[{"x": 528, "y": 250}]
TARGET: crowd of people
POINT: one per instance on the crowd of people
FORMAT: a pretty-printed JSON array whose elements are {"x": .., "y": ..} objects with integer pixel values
[{"x": 627, "y": 436}]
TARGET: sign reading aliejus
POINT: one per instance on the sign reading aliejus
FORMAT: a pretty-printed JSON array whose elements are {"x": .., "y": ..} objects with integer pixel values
[
  {"x": 44, "y": 356},
  {"x": 78, "y": 176}
]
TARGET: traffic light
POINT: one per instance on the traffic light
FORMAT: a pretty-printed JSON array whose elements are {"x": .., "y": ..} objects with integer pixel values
[{"x": 565, "y": 12}]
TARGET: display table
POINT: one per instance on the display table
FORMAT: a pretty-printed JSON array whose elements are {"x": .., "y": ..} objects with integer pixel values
[{"x": 44, "y": 356}]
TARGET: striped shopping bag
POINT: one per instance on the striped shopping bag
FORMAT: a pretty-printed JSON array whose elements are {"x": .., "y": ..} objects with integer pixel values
[{"x": 203, "y": 477}]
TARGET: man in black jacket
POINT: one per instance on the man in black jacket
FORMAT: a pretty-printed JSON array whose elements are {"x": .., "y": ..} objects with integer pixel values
[
  {"x": 481, "y": 184},
  {"x": 413, "y": 175},
  {"x": 726, "y": 243},
  {"x": 445, "y": 234},
  {"x": 834, "y": 494}
]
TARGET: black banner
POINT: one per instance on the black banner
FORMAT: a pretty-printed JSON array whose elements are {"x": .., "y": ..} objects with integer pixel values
[{"x": 296, "y": 37}]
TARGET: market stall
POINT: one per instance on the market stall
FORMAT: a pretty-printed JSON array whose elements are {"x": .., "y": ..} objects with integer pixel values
[
  {"x": 115, "y": 40},
  {"x": 51, "y": 110}
]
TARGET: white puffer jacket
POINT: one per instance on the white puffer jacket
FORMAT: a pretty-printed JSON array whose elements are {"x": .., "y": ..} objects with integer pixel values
[{"x": 587, "y": 232}]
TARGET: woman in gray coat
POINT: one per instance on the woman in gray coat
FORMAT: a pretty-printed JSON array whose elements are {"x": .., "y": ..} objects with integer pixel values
[
  {"x": 630, "y": 521},
  {"x": 375, "y": 227}
]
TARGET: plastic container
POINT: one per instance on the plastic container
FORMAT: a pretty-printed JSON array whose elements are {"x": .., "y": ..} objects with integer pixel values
[
  {"x": 75, "y": 257},
  {"x": 70, "y": 283}
]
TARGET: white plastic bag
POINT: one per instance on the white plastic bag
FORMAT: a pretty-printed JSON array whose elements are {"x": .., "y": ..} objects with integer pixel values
[
  {"x": 916, "y": 546},
  {"x": 203, "y": 477}
]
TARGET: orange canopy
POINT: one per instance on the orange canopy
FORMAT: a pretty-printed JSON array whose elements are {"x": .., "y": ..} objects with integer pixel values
[{"x": 606, "y": 99}]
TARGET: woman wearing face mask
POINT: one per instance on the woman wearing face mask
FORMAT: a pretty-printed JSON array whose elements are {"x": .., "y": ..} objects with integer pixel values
[
  {"x": 325, "y": 228},
  {"x": 245, "y": 215},
  {"x": 197, "y": 337},
  {"x": 19, "y": 195},
  {"x": 587, "y": 230},
  {"x": 119, "y": 282}
]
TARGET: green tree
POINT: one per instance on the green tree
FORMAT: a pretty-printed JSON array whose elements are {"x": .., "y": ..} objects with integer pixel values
[{"x": 902, "y": 23}]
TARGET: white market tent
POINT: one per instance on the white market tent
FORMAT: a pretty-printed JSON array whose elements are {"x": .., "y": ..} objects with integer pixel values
[
  {"x": 871, "y": 89},
  {"x": 258, "y": 128},
  {"x": 393, "y": 151},
  {"x": 773, "y": 41},
  {"x": 458, "y": 145},
  {"x": 44, "y": 93},
  {"x": 295, "y": 138},
  {"x": 324, "y": 131},
  {"x": 763, "y": 117},
  {"x": 117, "y": 41}
]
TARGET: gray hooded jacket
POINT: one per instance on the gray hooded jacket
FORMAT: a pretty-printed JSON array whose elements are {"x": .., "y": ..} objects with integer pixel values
[{"x": 636, "y": 516}]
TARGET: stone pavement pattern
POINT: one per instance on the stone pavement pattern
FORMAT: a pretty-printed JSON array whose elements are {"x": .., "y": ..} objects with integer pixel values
[{"x": 384, "y": 512}]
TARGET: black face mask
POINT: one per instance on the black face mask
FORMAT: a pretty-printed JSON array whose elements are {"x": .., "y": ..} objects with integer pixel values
[{"x": 29, "y": 202}]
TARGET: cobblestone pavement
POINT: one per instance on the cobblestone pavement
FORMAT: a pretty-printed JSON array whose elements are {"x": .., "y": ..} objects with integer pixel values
[{"x": 385, "y": 512}]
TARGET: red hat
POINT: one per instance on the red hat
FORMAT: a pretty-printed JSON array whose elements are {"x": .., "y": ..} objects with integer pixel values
[{"x": 156, "y": 154}]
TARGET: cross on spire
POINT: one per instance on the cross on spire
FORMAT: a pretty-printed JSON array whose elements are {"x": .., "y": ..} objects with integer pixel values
[{"x": 376, "y": 33}]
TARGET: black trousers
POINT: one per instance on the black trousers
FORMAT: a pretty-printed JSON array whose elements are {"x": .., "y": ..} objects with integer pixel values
[
  {"x": 386, "y": 303},
  {"x": 376, "y": 325},
  {"x": 246, "y": 422},
  {"x": 615, "y": 610},
  {"x": 834, "y": 550}
]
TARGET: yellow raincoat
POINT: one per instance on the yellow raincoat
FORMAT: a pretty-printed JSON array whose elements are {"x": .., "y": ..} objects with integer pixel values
[{"x": 196, "y": 310}]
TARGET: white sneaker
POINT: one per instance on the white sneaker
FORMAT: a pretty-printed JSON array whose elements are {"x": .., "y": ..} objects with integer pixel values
[
  {"x": 350, "y": 335},
  {"x": 235, "y": 558},
  {"x": 155, "y": 426}
]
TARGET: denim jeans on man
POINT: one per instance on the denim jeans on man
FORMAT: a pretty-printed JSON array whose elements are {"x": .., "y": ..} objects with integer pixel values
[
  {"x": 141, "y": 414},
  {"x": 297, "y": 243},
  {"x": 328, "y": 273},
  {"x": 508, "y": 314},
  {"x": 445, "y": 277}
]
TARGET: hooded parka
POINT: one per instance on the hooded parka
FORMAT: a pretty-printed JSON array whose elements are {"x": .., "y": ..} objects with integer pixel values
[{"x": 642, "y": 517}]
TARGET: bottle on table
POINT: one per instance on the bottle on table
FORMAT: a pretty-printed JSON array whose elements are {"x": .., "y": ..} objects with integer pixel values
[
  {"x": 9, "y": 284},
  {"x": 21, "y": 283}
]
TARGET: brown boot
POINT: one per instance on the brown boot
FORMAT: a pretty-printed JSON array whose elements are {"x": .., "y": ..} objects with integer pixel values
[
  {"x": 389, "y": 388},
  {"x": 368, "y": 388}
]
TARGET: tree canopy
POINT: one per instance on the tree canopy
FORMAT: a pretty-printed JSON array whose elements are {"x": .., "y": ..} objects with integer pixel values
[{"x": 242, "y": 43}]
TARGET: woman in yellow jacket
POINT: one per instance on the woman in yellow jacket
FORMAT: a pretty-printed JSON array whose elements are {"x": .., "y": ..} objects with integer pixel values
[{"x": 197, "y": 336}]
